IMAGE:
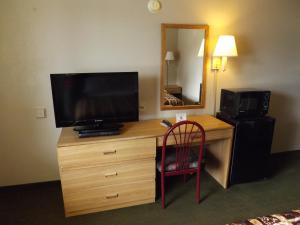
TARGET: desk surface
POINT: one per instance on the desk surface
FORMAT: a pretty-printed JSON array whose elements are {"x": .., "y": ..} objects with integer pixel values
[{"x": 141, "y": 129}]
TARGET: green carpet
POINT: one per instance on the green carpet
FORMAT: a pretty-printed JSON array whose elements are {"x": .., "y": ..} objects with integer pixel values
[{"x": 41, "y": 204}]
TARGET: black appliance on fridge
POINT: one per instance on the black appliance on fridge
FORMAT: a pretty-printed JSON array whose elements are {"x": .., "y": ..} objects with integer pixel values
[{"x": 245, "y": 109}]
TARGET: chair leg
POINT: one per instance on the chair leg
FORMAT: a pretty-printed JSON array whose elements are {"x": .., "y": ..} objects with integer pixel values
[
  {"x": 198, "y": 187},
  {"x": 162, "y": 188}
]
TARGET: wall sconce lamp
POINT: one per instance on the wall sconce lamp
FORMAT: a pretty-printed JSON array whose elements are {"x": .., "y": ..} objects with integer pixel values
[
  {"x": 169, "y": 57},
  {"x": 225, "y": 47}
]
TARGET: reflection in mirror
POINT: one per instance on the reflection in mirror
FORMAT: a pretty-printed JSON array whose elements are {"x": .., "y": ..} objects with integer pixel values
[{"x": 183, "y": 66}]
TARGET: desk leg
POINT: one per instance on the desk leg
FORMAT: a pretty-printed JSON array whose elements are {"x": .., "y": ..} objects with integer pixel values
[{"x": 218, "y": 159}]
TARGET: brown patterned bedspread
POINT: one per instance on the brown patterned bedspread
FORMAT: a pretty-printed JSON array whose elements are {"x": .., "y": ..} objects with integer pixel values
[
  {"x": 170, "y": 99},
  {"x": 289, "y": 218}
]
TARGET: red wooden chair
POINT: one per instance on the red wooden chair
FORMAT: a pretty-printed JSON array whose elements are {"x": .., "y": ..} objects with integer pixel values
[{"x": 181, "y": 159}]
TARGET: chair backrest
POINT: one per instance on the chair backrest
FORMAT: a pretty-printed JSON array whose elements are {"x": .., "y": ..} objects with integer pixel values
[{"x": 183, "y": 135}]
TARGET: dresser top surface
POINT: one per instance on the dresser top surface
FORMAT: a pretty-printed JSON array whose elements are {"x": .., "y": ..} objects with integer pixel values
[{"x": 141, "y": 129}]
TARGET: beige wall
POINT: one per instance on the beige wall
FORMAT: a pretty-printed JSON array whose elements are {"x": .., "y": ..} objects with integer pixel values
[
  {"x": 171, "y": 45},
  {"x": 42, "y": 37}
]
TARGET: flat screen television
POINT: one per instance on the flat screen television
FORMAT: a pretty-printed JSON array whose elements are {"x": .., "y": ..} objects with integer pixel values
[{"x": 85, "y": 99}]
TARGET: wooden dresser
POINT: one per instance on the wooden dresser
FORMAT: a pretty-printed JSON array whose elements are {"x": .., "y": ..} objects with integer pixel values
[
  {"x": 107, "y": 175},
  {"x": 102, "y": 173}
]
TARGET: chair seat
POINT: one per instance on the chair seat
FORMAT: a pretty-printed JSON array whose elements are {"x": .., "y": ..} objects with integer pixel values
[{"x": 170, "y": 162}]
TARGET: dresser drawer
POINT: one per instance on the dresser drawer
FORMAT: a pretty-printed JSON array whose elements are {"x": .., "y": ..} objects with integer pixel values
[
  {"x": 109, "y": 197},
  {"x": 105, "y": 153},
  {"x": 75, "y": 180}
]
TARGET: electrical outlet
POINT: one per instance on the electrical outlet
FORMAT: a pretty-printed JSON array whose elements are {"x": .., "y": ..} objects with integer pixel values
[
  {"x": 142, "y": 108},
  {"x": 40, "y": 112}
]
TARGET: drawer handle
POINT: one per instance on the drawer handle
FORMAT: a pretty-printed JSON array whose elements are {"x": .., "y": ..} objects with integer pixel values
[
  {"x": 110, "y": 152},
  {"x": 112, "y": 196},
  {"x": 111, "y": 174}
]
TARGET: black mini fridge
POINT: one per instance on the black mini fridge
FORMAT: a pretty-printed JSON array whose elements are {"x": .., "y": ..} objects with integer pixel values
[{"x": 251, "y": 148}]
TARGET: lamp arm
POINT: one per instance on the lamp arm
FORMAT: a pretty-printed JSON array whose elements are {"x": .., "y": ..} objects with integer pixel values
[
  {"x": 167, "y": 73},
  {"x": 224, "y": 63},
  {"x": 215, "y": 91}
]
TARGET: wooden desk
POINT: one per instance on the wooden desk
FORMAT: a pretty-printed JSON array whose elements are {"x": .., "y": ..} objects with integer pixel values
[{"x": 101, "y": 173}]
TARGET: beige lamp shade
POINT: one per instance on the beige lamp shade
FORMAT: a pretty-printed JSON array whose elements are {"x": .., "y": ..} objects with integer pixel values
[
  {"x": 201, "y": 49},
  {"x": 170, "y": 56},
  {"x": 226, "y": 46}
]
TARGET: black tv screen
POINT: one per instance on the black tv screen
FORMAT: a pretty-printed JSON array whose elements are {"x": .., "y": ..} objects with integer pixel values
[{"x": 90, "y": 98}]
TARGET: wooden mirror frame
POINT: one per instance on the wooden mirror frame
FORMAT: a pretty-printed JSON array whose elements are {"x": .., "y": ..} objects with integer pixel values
[{"x": 165, "y": 26}]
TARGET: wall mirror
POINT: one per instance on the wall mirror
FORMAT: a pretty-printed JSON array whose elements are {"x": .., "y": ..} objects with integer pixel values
[{"x": 183, "y": 66}]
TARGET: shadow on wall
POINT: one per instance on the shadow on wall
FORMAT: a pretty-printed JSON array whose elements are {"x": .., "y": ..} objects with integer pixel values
[
  {"x": 246, "y": 52},
  {"x": 149, "y": 95},
  {"x": 285, "y": 126}
]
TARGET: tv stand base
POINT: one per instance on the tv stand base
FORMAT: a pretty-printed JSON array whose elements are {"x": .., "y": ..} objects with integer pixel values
[
  {"x": 103, "y": 129},
  {"x": 96, "y": 133}
]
